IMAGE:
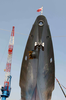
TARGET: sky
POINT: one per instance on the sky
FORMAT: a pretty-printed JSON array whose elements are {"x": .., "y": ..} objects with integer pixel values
[{"x": 22, "y": 14}]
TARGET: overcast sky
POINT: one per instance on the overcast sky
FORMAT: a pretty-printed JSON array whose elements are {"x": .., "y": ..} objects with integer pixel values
[{"x": 22, "y": 14}]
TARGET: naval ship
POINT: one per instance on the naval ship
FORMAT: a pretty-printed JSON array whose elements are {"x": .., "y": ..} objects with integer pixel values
[{"x": 37, "y": 76}]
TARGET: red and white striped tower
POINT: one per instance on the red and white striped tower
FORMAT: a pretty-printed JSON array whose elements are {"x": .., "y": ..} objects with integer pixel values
[{"x": 9, "y": 58}]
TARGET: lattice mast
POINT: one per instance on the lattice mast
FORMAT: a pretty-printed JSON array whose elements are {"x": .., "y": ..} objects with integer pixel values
[
  {"x": 9, "y": 58},
  {"x": 7, "y": 84}
]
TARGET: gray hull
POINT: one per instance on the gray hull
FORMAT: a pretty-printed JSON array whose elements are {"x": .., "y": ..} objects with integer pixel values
[{"x": 37, "y": 76}]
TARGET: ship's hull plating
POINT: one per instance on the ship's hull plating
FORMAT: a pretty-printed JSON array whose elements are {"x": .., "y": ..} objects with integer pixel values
[{"x": 38, "y": 75}]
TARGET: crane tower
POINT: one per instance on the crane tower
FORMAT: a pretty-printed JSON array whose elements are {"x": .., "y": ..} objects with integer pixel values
[{"x": 7, "y": 83}]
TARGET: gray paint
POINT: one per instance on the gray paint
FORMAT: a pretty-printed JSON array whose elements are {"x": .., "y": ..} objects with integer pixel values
[{"x": 37, "y": 76}]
